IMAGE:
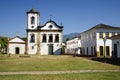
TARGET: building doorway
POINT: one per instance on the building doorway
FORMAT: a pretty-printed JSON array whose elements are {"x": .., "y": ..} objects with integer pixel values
[
  {"x": 101, "y": 50},
  {"x": 115, "y": 51},
  {"x": 50, "y": 49},
  {"x": 107, "y": 51},
  {"x": 17, "y": 50}
]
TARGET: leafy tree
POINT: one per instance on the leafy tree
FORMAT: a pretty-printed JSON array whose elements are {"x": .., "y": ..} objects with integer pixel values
[{"x": 3, "y": 42}]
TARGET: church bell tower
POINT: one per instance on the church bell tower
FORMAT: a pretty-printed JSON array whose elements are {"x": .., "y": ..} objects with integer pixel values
[{"x": 33, "y": 17}]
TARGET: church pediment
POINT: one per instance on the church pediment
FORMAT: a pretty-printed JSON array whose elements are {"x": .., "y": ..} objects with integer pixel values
[
  {"x": 16, "y": 40},
  {"x": 51, "y": 25}
]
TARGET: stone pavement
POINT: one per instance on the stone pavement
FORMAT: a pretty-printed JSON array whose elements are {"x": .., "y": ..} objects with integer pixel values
[{"x": 56, "y": 72}]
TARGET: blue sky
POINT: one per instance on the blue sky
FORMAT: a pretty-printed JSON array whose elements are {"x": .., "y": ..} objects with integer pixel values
[{"x": 75, "y": 15}]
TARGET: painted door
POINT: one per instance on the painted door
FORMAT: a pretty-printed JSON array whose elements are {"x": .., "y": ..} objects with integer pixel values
[
  {"x": 107, "y": 51},
  {"x": 17, "y": 50},
  {"x": 101, "y": 50},
  {"x": 50, "y": 49},
  {"x": 115, "y": 51}
]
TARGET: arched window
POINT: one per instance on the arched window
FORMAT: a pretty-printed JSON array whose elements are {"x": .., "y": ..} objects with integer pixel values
[
  {"x": 50, "y": 38},
  {"x": 32, "y": 20},
  {"x": 44, "y": 38},
  {"x": 32, "y": 38},
  {"x": 57, "y": 38}
]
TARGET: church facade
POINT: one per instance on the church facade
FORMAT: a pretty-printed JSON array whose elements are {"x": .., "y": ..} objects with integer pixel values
[{"x": 42, "y": 39}]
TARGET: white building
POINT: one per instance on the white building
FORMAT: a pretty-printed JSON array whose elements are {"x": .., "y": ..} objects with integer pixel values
[
  {"x": 42, "y": 39},
  {"x": 116, "y": 46},
  {"x": 73, "y": 46},
  {"x": 92, "y": 41},
  {"x": 16, "y": 46}
]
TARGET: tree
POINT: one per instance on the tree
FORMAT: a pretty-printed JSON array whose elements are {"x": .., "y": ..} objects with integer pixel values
[
  {"x": 3, "y": 42},
  {"x": 67, "y": 39}
]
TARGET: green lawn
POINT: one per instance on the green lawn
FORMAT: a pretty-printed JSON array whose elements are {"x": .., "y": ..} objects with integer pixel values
[
  {"x": 51, "y": 63},
  {"x": 81, "y": 76}
]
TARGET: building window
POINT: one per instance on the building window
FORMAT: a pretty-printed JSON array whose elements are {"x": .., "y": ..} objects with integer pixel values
[
  {"x": 57, "y": 38},
  {"x": 107, "y": 34},
  {"x": 87, "y": 50},
  {"x": 113, "y": 33},
  {"x": 32, "y": 20},
  {"x": 44, "y": 38},
  {"x": 32, "y": 38},
  {"x": 101, "y": 35},
  {"x": 50, "y": 38},
  {"x": 92, "y": 51}
]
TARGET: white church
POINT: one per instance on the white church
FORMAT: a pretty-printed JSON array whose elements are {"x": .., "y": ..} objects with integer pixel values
[{"x": 41, "y": 39}]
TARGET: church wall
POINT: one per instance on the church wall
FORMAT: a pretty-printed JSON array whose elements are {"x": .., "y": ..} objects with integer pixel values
[
  {"x": 36, "y": 21},
  {"x": 32, "y": 47},
  {"x": 56, "y": 45},
  {"x": 13, "y": 46},
  {"x": 50, "y": 28}
]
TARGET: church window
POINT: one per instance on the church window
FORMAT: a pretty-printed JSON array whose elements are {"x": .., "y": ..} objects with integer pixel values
[
  {"x": 32, "y": 38},
  {"x": 50, "y": 38},
  {"x": 32, "y": 47},
  {"x": 50, "y": 26},
  {"x": 57, "y": 38},
  {"x": 32, "y": 26},
  {"x": 32, "y": 20},
  {"x": 44, "y": 38}
]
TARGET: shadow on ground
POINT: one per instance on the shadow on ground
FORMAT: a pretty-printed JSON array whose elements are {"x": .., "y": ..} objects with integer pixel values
[{"x": 113, "y": 61}]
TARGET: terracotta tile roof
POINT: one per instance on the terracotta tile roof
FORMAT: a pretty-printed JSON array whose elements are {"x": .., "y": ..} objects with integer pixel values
[
  {"x": 115, "y": 37},
  {"x": 102, "y": 26}
]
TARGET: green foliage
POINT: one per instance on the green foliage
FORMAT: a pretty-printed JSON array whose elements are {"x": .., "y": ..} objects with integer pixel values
[
  {"x": 3, "y": 42},
  {"x": 67, "y": 39}
]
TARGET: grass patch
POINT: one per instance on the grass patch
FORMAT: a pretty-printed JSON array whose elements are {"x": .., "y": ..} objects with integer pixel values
[
  {"x": 50, "y": 63},
  {"x": 81, "y": 76}
]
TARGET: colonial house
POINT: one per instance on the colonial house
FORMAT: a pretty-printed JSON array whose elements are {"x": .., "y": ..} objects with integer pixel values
[
  {"x": 95, "y": 41},
  {"x": 116, "y": 46},
  {"x": 73, "y": 46},
  {"x": 42, "y": 39},
  {"x": 16, "y": 45}
]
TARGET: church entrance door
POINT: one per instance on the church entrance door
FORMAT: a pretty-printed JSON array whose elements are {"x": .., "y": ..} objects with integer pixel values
[
  {"x": 17, "y": 50},
  {"x": 50, "y": 49}
]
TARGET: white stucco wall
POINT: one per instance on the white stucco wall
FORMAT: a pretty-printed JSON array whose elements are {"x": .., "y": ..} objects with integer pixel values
[
  {"x": 13, "y": 46},
  {"x": 116, "y": 41},
  {"x": 56, "y": 45},
  {"x": 46, "y": 27},
  {"x": 32, "y": 48},
  {"x": 14, "y": 43},
  {"x": 88, "y": 41},
  {"x": 73, "y": 46},
  {"x": 91, "y": 38},
  {"x": 29, "y": 20},
  {"x": 100, "y": 42}
]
